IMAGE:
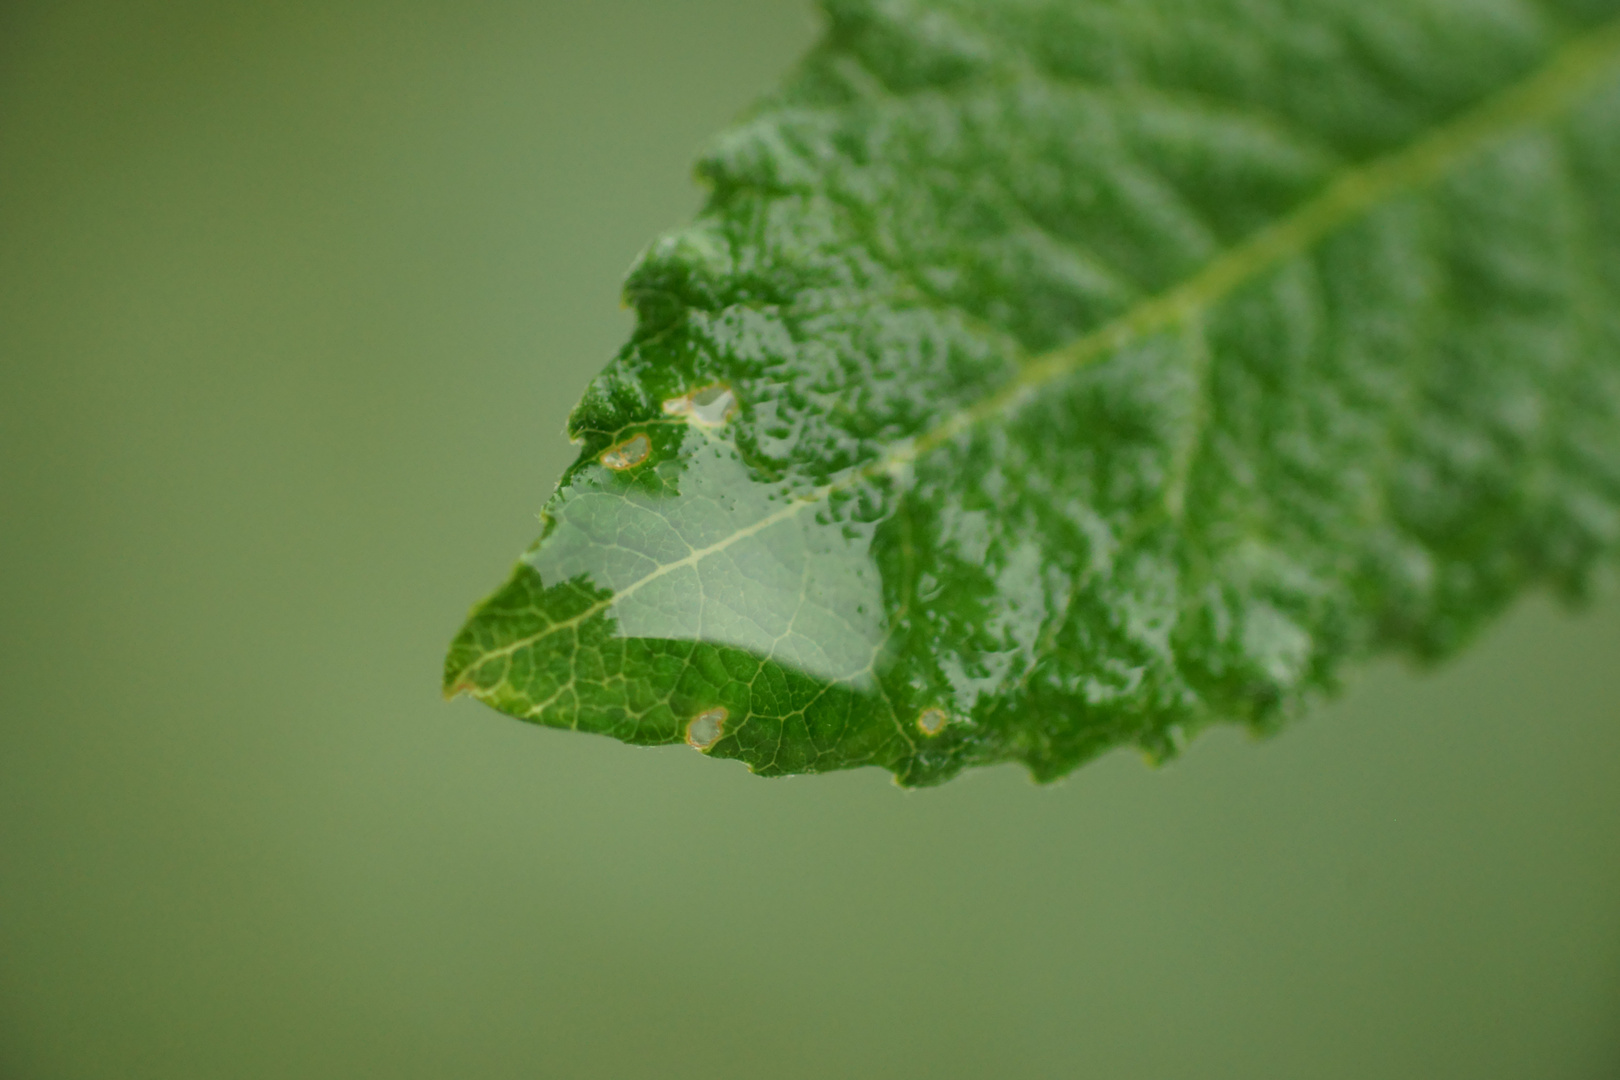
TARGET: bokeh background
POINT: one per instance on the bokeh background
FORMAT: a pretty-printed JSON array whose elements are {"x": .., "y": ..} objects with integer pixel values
[{"x": 294, "y": 299}]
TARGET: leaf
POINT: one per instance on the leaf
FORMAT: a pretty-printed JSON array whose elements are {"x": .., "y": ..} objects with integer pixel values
[{"x": 1045, "y": 376}]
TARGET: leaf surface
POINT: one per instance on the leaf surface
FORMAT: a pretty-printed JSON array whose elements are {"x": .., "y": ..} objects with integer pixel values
[{"x": 1045, "y": 376}]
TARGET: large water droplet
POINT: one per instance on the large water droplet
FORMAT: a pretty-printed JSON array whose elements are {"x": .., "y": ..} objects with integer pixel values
[{"x": 714, "y": 554}]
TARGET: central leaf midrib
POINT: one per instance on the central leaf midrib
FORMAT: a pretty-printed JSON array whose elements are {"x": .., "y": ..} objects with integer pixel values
[{"x": 1549, "y": 90}]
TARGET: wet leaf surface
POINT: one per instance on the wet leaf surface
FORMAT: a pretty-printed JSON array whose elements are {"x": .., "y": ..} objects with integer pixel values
[{"x": 1050, "y": 375}]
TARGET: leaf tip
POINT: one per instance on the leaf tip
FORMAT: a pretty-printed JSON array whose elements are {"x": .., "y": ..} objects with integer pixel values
[{"x": 459, "y": 666}]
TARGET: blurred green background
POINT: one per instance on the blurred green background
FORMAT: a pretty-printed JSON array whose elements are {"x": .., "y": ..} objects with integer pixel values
[{"x": 293, "y": 302}]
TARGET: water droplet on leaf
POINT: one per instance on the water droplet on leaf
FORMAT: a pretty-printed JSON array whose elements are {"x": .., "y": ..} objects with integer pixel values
[{"x": 707, "y": 406}]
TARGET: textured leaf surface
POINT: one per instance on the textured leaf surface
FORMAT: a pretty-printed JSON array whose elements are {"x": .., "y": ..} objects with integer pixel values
[{"x": 1050, "y": 375}]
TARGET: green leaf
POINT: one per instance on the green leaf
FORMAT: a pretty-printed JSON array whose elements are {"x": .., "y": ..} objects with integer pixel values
[{"x": 1050, "y": 375}]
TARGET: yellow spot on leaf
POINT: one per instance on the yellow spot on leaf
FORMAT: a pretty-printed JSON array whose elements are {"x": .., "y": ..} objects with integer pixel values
[
  {"x": 628, "y": 454},
  {"x": 932, "y": 721},
  {"x": 705, "y": 729}
]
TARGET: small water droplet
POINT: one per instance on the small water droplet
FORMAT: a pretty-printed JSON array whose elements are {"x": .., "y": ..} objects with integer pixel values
[
  {"x": 628, "y": 454},
  {"x": 708, "y": 406},
  {"x": 932, "y": 721},
  {"x": 705, "y": 729}
]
